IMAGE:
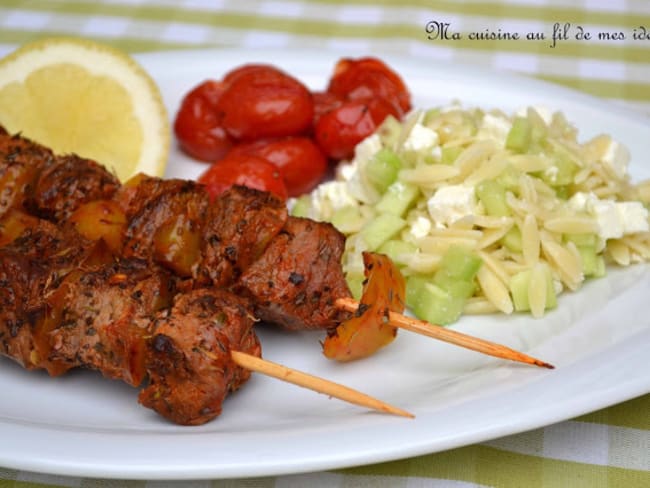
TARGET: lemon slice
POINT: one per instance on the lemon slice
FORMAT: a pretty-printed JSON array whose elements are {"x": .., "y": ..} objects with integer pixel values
[{"x": 80, "y": 96}]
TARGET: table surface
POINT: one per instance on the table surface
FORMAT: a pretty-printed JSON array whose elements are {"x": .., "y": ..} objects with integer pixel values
[{"x": 606, "y": 53}]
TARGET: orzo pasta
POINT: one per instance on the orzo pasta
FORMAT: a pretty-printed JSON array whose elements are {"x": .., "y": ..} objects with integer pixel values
[{"x": 484, "y": 211}]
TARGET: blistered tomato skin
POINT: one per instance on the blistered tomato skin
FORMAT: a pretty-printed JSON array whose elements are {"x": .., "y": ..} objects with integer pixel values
[
  {"x": 259, "y": 70},
  {"x": 198, "y": 125},
  {"x": 259, "y": 103},
  {"x": 246, "y": 170},
  {"x": 301, "y": 162},
  {"x": 369, "y": 77},
  {"x": 340, "y": 130},
  {"x": 324, "y": 102}
]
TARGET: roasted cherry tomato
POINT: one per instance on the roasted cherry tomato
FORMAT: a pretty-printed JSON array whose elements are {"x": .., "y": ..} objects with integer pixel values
[
  {"x": 246, "y": 69},
  {"x": 324, "y": 102},
  {"x": 246, "y": 170},
  {"x": 265, "y": 102},
  {"x": 368, "y": 78},
  {"x": 198, "y": 124},
  {"x": 339, "y": 130},
  {"x": 301, "y": 162},
  {"x": 368, "y": 330}
]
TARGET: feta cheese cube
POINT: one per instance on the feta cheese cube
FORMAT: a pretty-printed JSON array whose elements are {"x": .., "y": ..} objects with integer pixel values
[
  {"x": 421, "y": 138},
  {"x": 634, "y": 217},
  {"x": 367, "y": 148},
  {"x": 346, "y": 171},
  {"x": 451, "y": 203},
  {"x": 615, "y": 219},
  {"x": 329, "y": 197},
  {"x": 610, "y": 224},
  {"x": 605, "y": 212},
  {"x": 616, "y": 157},
  {"x": 420, "y": 228},
  {"x": 578, "y": 202},
  {"x": 495, "y": 128}
]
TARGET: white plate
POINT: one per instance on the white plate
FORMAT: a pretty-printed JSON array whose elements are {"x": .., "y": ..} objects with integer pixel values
[{"x": 598, "y": 338}]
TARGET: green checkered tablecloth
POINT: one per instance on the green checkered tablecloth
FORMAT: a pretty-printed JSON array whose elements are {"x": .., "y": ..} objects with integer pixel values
[{"x": 610, "y": 447}]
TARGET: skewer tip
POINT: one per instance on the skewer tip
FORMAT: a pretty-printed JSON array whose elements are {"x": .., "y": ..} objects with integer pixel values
[
  {"x": 543, "y": 364},
  {"x": 320, "y": 385}
]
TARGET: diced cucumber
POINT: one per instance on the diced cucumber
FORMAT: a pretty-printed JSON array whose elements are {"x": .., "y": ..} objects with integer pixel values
[
  {"x": 301, "y": 206},
  {"x": 564, "y": 167},
  {"x": 582, "y": 239},
  {"x": 563, "y": 192},
  {"x": 592, "y": 263},
  {"x": 390, "y": 131},
  {"x": 459, "y": 263},
  {"x": 394, "y": 249},
  {"x": 380, "y": 229},
  {"x": 455, "y": 287},
  {"x": 355, "y": 283},
  {"x": 519, "y": 136},
  {"x": 456, "y": 272},
  {"x": 519, "y": 290},
  {"x": 449, "y": 154},
  {"x": 512, "y": 240},
  {"x": 437, "y": 306},
  {"x": 566, "y": 170},
  {"x": 399, "y": 197},
  {"x": 538, "y": 129},
  {"x": 519, "y": 284},
  {"x": 430, "y": 115},
  {"x": 493, "y": 196},
  {"x": 414, "y": 285},
  {"x": 348, "y": 219},
  {"x": 509, "y": 178},
  {"x": 440, "y": 298},
  {"x": 382, "y": 169}
]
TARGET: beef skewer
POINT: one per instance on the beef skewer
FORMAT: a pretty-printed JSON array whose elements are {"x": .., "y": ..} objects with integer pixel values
[
  {"x": 66, "y": 303},
  {"x": 245, "y": 240}
]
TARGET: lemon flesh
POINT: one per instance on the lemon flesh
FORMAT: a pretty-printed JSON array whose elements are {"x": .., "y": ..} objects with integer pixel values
[{"x": 78, "y": 96}]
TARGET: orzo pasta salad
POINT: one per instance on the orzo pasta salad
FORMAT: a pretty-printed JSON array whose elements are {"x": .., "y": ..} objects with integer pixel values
[{"x": 484, "y": 211}]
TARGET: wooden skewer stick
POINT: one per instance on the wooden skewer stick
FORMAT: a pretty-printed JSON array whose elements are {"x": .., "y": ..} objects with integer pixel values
[
  {"x": 315, "y": 383},
  {"x": 451, "y": 336}
]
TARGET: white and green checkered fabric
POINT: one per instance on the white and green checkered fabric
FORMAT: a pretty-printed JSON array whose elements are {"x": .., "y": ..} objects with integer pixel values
[
  {"x": 614, "y": 63},
  {"x": 608, "y": 448}
]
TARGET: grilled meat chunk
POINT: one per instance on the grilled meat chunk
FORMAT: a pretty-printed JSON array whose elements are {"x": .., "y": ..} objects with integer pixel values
[
  {"x": 61, "y": 187},
  {"x": 32, "y": 265},
  {"x": 101, "y": 317},
  {"x": 241, "y": 222},
  {"x": 21, "y": 161},
  {"x": 189, "y": 363},
  {"x": 165, "y": 222},
  {"x": 298, "y": 278},
  {"x": 16, "y": 285},
  {"x": 48, "y": 186}
]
